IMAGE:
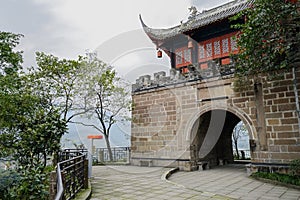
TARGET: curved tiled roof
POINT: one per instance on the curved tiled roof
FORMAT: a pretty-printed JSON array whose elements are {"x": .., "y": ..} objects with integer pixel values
[{"x": 200, "y": 20}]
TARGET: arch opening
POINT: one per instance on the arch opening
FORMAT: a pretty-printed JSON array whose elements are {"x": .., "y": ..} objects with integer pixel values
[
  {"x": 212, "y": 137},
  {"x": 240, "y": 142}
]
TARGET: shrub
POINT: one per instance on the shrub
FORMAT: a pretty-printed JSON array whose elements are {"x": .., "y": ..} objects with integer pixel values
[
  {"x": 8, "y": 179},
  {"x": 32, "y": 185},
  {"x": 295, "y": 167},
  {"x": 283, "y": 178}
]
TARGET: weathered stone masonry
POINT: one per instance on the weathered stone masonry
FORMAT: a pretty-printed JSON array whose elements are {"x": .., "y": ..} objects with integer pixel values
[{"x": 166, "y": 117}]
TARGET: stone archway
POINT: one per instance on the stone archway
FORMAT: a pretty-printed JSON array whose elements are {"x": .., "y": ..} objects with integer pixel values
[{"x": 211, "y": 135}]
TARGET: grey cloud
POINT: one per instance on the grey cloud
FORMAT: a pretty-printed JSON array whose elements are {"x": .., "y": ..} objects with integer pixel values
[{"x": 24, "y": 16}]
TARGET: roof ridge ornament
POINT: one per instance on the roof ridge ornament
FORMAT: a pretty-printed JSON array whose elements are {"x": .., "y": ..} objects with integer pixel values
[{"x": 193, "y": 12}]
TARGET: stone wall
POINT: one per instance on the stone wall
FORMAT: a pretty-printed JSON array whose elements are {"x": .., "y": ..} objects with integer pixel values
[{"x": 167, "y": 111}]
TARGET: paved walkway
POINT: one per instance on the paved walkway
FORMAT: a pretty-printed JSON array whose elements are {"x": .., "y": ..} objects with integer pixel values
[{"x": 227, "y": 182}]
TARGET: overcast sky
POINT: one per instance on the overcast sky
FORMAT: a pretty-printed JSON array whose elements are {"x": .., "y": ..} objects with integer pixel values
[{"x": 67, "y": 28}]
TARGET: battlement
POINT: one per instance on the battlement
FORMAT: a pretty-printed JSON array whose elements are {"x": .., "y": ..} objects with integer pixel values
[{"x": 176, "y": 77}]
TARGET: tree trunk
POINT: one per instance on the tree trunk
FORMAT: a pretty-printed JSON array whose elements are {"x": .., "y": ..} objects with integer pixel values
[
  {"x": 236, "y": 149},
  {"x": 108, "y": 148}
]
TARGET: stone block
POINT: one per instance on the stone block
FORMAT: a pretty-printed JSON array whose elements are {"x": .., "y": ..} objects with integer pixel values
[
  {"x": 285, "y": 142},
  {"x": 283, "y": 128},
  {"x": 289, "y": 121},
  {"x": 273, "y": 121}
]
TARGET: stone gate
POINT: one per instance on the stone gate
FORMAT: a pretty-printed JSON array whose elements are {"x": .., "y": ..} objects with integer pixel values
[
  {"x": 181, "y": 121},
  {"x": 187, "y": 118}
]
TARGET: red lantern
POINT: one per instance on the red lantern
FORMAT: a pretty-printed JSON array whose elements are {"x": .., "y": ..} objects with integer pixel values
[{"x": 159, "y": 53}]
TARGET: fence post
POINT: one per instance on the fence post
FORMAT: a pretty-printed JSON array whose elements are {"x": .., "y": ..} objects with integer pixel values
[
  {"x": 63, "y": 176},
  {"x": 114, "y": 155},
  {"x": 86, "y": 174},
  {"x": 101, "y": 155},
  {"x": 53, "y": 185},
  {"x": 128, "y": 155}
]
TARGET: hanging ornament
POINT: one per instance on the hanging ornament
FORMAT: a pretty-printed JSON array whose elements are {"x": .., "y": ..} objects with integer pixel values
[{"x": 159, "y": 53}]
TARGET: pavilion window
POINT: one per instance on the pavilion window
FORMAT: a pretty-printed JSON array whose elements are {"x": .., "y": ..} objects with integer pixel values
[
  {"x": 187, "y": 55},
  {"x": 225, "y": 46},
  {"x": 209, "y": 50},
  {"x": 201, "y": 51},
  {"x": 233, "y": 44},
  {"x": 183, "y": 57},
  {"x": 218, "y": 47},
  {"x": 179, "y": 58}
]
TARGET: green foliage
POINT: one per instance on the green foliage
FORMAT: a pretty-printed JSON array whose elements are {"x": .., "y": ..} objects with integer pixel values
[
  {"x": 270, "y": 37},
  {"x": 295, "y": 167},
  {"x": 8, "y": 179},
  {"x": 58, "y": 80},
  {"x": 82, "y": 88},
  {"x": 10, "y": 60},
  {"x": 38, "y": 138},
  {"x": 283, "y": 178},
  {"x": 32, "y": 185},
  {"x": 106, "y": 96},
  {"x": 30, "y": 125},
  {"x": 30, "y": 128}
]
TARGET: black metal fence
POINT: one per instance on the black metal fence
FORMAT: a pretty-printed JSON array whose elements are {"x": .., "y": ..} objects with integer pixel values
[
  {"x": 119, "y": 154},
  {"x": 67, "y": 154},
  {"x": 243, "y": 154},
  {"x": 71, "y": 173}
]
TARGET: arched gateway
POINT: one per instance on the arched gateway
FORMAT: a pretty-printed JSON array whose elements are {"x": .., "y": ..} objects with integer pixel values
[
  {"x": 211, "y": 135},
  {"x": 188, "y": 117}
]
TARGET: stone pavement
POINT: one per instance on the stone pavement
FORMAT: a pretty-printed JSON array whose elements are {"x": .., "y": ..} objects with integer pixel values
[{"x": 226, "y": 182}]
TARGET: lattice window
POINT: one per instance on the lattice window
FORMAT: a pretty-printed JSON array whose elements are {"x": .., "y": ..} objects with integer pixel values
[
  {"x": 209, "y": 49},
  {"x": 201, "y": 52},
  {"x": 233, "y": 43},
  {"x": 217, "y": 48},
  {"x": 187, "y": 55},
  {"x": 179, "y": 58},
  {"x": 225, "y": 46}
]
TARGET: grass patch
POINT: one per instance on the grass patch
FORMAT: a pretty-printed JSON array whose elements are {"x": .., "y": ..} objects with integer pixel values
[{"x": 282, "y": 178}]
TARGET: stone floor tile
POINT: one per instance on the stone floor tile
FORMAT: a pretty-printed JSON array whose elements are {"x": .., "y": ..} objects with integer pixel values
[{"x": 130, "y": 183}]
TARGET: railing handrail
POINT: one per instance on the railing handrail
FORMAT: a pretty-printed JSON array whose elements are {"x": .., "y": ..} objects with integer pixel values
[
  {"x": 60, "y": 186},
  {"x": 119, "y": 154},
  {"x": 65, "y": 161}
]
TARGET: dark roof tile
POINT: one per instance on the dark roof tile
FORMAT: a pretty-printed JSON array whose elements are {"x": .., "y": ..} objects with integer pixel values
[{"x": 200, "y": 20}]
